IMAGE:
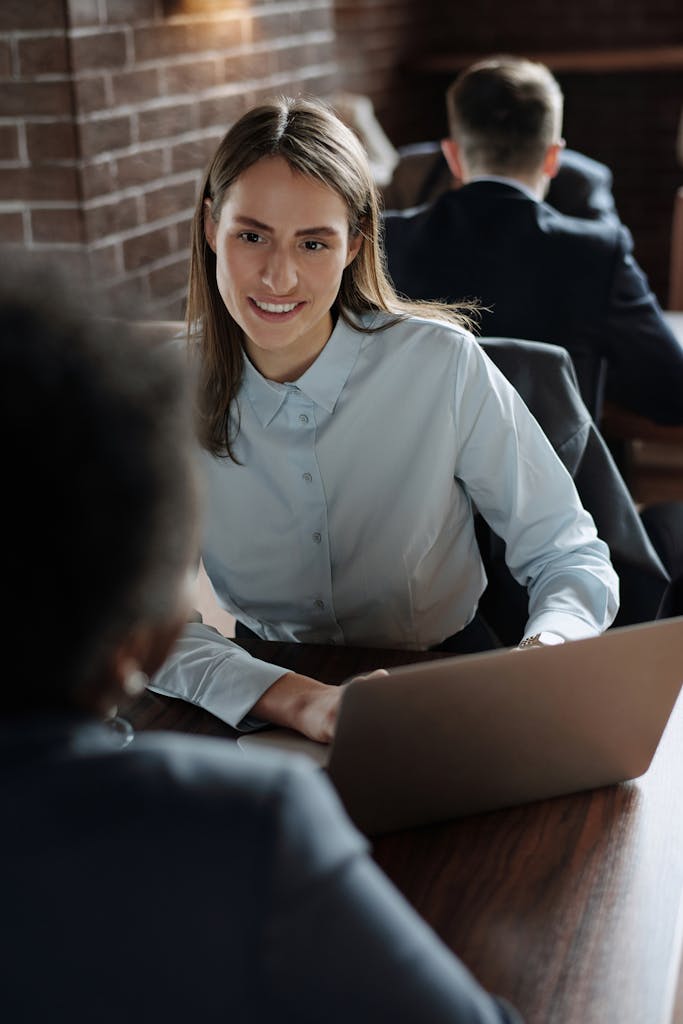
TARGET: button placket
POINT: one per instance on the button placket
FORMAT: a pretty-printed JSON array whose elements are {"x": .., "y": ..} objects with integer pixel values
[{"x": 313, "y": 515}]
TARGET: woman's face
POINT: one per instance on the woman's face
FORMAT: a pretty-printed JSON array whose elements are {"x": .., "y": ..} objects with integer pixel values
[{"x": 281, "y": 244}]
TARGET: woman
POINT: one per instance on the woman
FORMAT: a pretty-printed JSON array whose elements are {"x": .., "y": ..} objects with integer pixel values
[
  {"x": 347, "y": 435},
  {"x": 174, "y": 880}
]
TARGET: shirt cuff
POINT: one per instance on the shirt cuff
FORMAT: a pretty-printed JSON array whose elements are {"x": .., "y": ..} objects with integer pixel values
[{"x": 571, "y": 627}]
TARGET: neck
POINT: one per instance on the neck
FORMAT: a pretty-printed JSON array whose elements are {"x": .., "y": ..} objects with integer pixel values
[
  {"x": 536, "y": 182},
  {"x": 287, "y": 364}
]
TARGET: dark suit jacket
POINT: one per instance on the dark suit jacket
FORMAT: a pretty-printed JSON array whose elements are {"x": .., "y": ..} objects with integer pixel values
[
  {"x": 544, "y": 376},
  {"x": 581, "y": 188},
  {"x": 180, "y": 881},
  {"x": 546, "y": 277}
]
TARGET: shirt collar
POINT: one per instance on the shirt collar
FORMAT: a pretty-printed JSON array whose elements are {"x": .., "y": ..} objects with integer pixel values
[
  {"x": 510, "y": 182},
  {"x": 323, "y": 381}
]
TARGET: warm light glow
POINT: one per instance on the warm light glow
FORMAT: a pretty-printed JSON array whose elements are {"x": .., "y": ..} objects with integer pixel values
[{"x": 199, "y": 6}]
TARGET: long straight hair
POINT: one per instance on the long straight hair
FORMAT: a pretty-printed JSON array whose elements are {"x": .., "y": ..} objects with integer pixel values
[{"x": 317, "y": 144}]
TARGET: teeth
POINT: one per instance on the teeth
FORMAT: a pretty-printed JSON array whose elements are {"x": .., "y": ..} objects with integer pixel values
[{"x": 276, "y": 307}]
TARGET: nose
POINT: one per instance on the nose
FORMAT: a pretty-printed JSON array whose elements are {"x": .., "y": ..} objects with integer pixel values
[{"x": 279, "y": 272}]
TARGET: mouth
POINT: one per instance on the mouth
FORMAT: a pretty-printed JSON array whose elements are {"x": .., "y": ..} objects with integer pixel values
[{"x": 275, "y": 310}]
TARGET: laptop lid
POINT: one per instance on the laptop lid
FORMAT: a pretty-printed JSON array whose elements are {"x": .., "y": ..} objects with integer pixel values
[{"x": 457, "y": 736}]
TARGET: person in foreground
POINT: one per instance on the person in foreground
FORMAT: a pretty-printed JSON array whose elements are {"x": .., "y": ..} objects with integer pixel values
[
  {"x": 346, "y": 437},
  {"x": 173, "y": 880},
  {"x": 539, "y": 274}
]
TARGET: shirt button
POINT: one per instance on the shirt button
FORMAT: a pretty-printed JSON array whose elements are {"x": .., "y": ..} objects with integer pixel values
[
  {"x": 318, "y": 603},
  {"x": 303, "y": 418},
  {"x": 317, "y": 537},
  {"x": 307, "y": 477}
]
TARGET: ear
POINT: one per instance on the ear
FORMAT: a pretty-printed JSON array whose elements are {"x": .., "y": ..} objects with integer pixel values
[
  {"x": 551, "y": 161},
  {"x": 209, "y": 226},
  {"x": 451, "y": 151},
  {"x": 353, "y": 248}
]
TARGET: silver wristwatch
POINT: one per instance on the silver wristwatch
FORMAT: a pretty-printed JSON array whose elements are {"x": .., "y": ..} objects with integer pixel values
[{"x": 543, "y": 639}]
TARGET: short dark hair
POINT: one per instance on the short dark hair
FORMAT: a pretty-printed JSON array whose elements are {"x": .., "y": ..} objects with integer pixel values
[
  {"x": 504, "y": 112},
  {"x": 99, "y": 485}
]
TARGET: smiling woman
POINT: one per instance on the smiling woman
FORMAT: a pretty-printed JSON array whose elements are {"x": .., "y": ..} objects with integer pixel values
[
  {"x": 347, "y": 435},
  {"x": 278, "y": 277}
]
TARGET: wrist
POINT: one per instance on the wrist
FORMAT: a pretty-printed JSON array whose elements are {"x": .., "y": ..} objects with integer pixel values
[
  {"x": 300, "y": 703},
  {"x": 543, "y": 639}
]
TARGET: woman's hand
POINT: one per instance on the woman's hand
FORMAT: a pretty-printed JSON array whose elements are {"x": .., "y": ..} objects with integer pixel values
[
  {"x": 301, "y": 703},
  {"x": 304, "y": 704}
]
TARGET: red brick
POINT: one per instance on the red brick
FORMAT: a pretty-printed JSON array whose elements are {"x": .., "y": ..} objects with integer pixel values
[
  {"x": 184, "y": 232},
  {"x": 5, "y": 60},
  {"x": 222, "y": 111},
  {"x": 18, "y": 14},
  {"x": 129, "y": 10},
  {"x": 91, "y": 94},
  {"x": 48, "y": 55},
  {"x": 84, "y": 13},
  {"x": 140, "y": 168},
  {"x": 187, "y": 78},
  {"x": 194, "y": 156},
  {"x": 170, "y": 200},
  {"x": 53, "y": 141},
  {"x": 321, "y": 20},
  {"x": 104, "y": 134},
  {"x": 11, "y": 228},
  {"x": 164, "y": 122},
  {"x": 35, "y": 98},
  {"x": 99, "y": 50},
  {"x": 265, "y": 63},
  {"x": 169, "y": 280},
  {"x": 38, "y": 183},
  {"x": 57, "y": 226},
  {"x": 148, "y": 248},
  {"x": 135, "y": 86},
  {"x": 109, "y": 218},
  {"x": 98, "y": 179},
  {"x": 9, "y": 142},
  {"x": 235, "y": 69},
  {"x": 159, "y": 41},
  {"x": 218, "y": 35},
  {"x": 271, "y": 26}
]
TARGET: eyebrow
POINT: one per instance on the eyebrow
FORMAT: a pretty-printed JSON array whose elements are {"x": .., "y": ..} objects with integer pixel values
[{"x": 319, "y": 230}]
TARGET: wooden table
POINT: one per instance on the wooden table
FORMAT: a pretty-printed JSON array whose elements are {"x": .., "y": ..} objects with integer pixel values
[{"x": 571, "y": 908}]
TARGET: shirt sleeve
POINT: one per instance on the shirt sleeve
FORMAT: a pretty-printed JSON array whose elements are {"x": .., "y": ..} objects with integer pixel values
[
  {"x": 519, "y": 485},
  {"x": 644, "y": 356},
  {"x": 341, "y": 943},
  {"x": 207, "y": 669}
]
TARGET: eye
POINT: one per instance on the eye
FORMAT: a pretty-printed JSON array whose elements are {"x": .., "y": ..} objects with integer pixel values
[
  {"x": 313, "y": 245},
  {"x": 251, "y": 237}
]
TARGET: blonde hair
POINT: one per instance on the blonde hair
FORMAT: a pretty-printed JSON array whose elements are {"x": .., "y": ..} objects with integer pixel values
[{"x": 317, "y": 144}]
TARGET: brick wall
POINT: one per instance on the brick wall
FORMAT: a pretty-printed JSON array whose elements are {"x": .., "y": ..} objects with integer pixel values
[
  {"x": 109, "y": 110},
  {"x": 376, "y": 41}
]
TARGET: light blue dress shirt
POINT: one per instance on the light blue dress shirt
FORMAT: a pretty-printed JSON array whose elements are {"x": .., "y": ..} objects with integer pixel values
[{"x": 349, "y": 518}]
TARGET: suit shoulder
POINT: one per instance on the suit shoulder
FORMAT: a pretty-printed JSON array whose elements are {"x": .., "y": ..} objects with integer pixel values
[
  {"x": 201, "y": 773},
  {"x": 599, "y": 234}
]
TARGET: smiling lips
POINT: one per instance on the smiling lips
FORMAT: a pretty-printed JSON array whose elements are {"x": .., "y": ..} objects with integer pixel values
[{"x": 276, "y": 310}]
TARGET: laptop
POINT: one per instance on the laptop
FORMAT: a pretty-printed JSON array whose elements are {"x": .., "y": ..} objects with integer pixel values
[{"x": 458, "y": 736}]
